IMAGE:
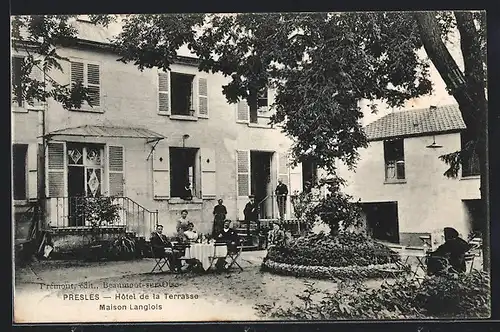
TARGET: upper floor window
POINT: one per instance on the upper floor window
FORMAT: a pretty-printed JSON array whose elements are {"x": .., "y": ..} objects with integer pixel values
[
  {"x": 259, "y": 115},
  {"x": 183, "y": 172},
  {"x": 470, "y": 164},
  {"x": 394, "y": 160},
  {"x": 182, "y": 94},
  {"x": 17, "y": 88},
  {"x": 89, "y": 75}
]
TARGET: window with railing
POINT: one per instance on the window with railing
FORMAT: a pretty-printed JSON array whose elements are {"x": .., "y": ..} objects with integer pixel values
[{"x": 394, "y": 160}]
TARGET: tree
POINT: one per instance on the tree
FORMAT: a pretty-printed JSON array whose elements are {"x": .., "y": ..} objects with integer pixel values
[{"x": 321, "y": 65}]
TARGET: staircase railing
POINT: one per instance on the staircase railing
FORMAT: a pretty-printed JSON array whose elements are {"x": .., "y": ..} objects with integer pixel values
[{"x": 69, "y": 212}]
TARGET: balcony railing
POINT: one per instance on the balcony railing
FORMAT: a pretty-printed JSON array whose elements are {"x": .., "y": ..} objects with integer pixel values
[{"x": 70, "y": 212}]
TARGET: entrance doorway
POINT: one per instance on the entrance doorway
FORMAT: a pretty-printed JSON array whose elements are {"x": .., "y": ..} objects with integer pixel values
[
  {"x": 382, "y": 220},
  {"x": 309, "y": 175},
  {"x": 476, "y": 215},
  {"x": 260, "y": 178},
  {"x": 85, "y": 174}
]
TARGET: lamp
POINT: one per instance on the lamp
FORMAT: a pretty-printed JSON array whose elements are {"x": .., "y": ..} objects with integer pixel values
[
  {"x": 434, "y": 145},
  {"x": 184, "y": 138}
]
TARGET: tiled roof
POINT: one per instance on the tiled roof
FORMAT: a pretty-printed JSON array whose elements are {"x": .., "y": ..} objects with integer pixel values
[{"x": 416, "y": 122}]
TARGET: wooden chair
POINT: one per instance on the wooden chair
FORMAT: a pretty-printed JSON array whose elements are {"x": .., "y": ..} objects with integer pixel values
[{"x": 233, "y": 258}]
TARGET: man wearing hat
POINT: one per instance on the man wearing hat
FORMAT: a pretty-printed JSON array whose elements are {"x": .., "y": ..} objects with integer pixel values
[{"x": 251, "y": 212}]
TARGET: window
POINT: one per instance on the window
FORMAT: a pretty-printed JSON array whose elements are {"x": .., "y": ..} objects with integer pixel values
[
  {"x": 181, "y": 90},
  {"x": 394, "y": 160},
  {"x": 184, "y": 172},
  {"x": 262, "y": 103},
  {"x": 17, "y": 87},
  {"x": 470, "y": 164},
  {"x": 19, "y": 153},
  {"x": 88, "y": 74}
]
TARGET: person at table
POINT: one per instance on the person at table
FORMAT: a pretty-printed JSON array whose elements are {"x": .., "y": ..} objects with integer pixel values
[
  {"x": 275, "y": 237},
  {"x": 183, "y": 226},
  {"x": 191, "y": 233},
  {"x": 232, "y": 240},
  {"x": 162, "y": 247},
  {"x": 453, "y": 250},
  {"x": 219, "y": 213}
]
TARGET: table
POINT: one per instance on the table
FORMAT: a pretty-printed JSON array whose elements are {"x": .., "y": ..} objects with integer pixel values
[
  {"x": 420, "y": 256},
  {"x": 205, "y": 253}
]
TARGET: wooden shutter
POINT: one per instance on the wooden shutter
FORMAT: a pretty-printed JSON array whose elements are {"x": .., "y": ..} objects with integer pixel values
[
  {"x": 56, "y": 154},
  {"x": 16, "y": 80},
  {"x": 116, "y": 168},
  {"x": 164, "y": 93},
  {"x": 161, "y": 171},
  {"x": 283, "y": 168},
  {"x": 94, "y": 84},
  {"x": 208, "y": 173},
  {"x": 77, "y": 72},
  {"x": 295, "y": 179},
  {"x": 243, "y": 111},
  {"x": 33, "y": 171},
  {"x": 202, "y": 97},
  {"x": 243, "y": 167}
]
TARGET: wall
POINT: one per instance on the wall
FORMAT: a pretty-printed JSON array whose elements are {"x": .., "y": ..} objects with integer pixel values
[
  {"x": 129, "y": 98},
  {"x": 427, "y": 200}
]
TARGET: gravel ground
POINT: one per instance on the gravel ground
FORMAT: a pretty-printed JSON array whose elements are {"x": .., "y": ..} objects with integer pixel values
[{"x": 224, "y": 296}]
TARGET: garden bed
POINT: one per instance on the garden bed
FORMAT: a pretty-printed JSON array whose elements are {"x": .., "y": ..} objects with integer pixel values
[{"x": 332, "y": 272}]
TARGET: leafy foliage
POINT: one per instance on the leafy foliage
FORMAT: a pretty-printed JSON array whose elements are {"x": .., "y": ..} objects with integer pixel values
[
  {"x": 449, "y": 296},
  {"x": 341, "y": 250},
  {"x": 303, "y": 204}
]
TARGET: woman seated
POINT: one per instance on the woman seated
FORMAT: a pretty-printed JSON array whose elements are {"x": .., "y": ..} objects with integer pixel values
[
  {"x": 191, "y": 234},
  {"x": 275, "y": 237},
  {"x": 451, "y": 252}
]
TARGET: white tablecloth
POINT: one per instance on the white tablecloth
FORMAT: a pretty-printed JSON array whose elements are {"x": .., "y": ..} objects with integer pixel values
[{"x": 204, "y": 252}]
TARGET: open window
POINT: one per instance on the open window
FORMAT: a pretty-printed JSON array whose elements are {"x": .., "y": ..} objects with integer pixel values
[
  {"x": 394, "y": 160},
  {"x": 17, "y": 87},
  {"x": 19, "y": 174},
  {"x": 181, "y": 92},
  {"x": 184, "y": 173},
  {"x": 470, "y": 164}
]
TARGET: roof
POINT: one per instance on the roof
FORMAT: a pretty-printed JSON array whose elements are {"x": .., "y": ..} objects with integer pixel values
[
  {"x": 107, "y": 131},
  {"x": 416, "y": 122}
]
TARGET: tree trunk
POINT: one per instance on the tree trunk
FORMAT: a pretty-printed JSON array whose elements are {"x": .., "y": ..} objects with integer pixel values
[{"x": 468, "y": 90}]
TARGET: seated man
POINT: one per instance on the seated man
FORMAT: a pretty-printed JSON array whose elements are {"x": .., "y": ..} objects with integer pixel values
[
  {"x": 162, "y": 247},
  {"x": 231, "y": 238},
  {"x": 453, "y": 250},
  {"x": 275, "y": 237}
]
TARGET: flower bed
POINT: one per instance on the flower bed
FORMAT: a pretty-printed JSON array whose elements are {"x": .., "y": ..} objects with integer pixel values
[{"x": 330, "y": 272}]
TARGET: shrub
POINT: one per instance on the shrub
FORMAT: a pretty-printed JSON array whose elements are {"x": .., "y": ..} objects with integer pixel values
[
  {"x": 341, "y": 250},
  {"x": 457, "y": 296},
  {"x": 465, "y": 295}
]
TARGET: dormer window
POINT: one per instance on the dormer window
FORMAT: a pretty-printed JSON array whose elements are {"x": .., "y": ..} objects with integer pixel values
[{"x": 394, "y": 160}]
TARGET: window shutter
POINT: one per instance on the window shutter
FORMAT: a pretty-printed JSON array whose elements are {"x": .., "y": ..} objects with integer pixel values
[
  {"x": 208, "y": 173},
  {"x": 116, "y": 161},
  {"x": 77, "y": 73},
  {"x": 283, "y": 168},
  {"x": 164, "y": 93},
  {"x": 94, "y": 84},
  {"x": 243, "y": 167},
  {"x": 16, "y": 80},
  {"x": 55, "y": 169},
  {"x": 33, "y": 171},
  {"x": 295, "y": 179},
  {"x": 243, "y": 111},
  {"x": 202, "y": 97},
  {"x": 161, "y": 171}
]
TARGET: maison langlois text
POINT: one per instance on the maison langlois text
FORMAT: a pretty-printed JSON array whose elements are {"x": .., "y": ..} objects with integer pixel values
[{"x": 124, "y": 296}]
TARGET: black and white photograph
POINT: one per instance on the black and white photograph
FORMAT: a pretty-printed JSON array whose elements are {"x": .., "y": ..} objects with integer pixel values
[{"x": 228, "y": 167}]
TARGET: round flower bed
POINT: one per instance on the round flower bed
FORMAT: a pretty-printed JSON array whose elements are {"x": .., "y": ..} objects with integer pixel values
[{"x": 343, "y": 256}]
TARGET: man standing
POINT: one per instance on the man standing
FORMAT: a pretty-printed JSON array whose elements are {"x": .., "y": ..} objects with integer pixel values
[
  {"x": 162, "y": 247},
  {"x": 219, "y": 213},
  {"x": 281, "y": 193},
  {"x": 251, "y": 213}
]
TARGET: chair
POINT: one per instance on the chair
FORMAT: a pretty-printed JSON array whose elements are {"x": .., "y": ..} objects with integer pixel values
[
  {"x": 233, "y": 257},
  {"x": 216, "y": 255},
  {"x": 160, "y": 261},
  {"x": 469, "y": 258},
  {"x": 395, "y": 271}
]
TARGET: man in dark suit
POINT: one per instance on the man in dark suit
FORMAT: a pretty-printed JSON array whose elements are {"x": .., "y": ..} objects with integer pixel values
[
  {"x": 162, "y": 247},
  {"x": 251, "y": 213},
  {"x": 281, "y": 193},
  {"x": 231, "y": 238}
]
